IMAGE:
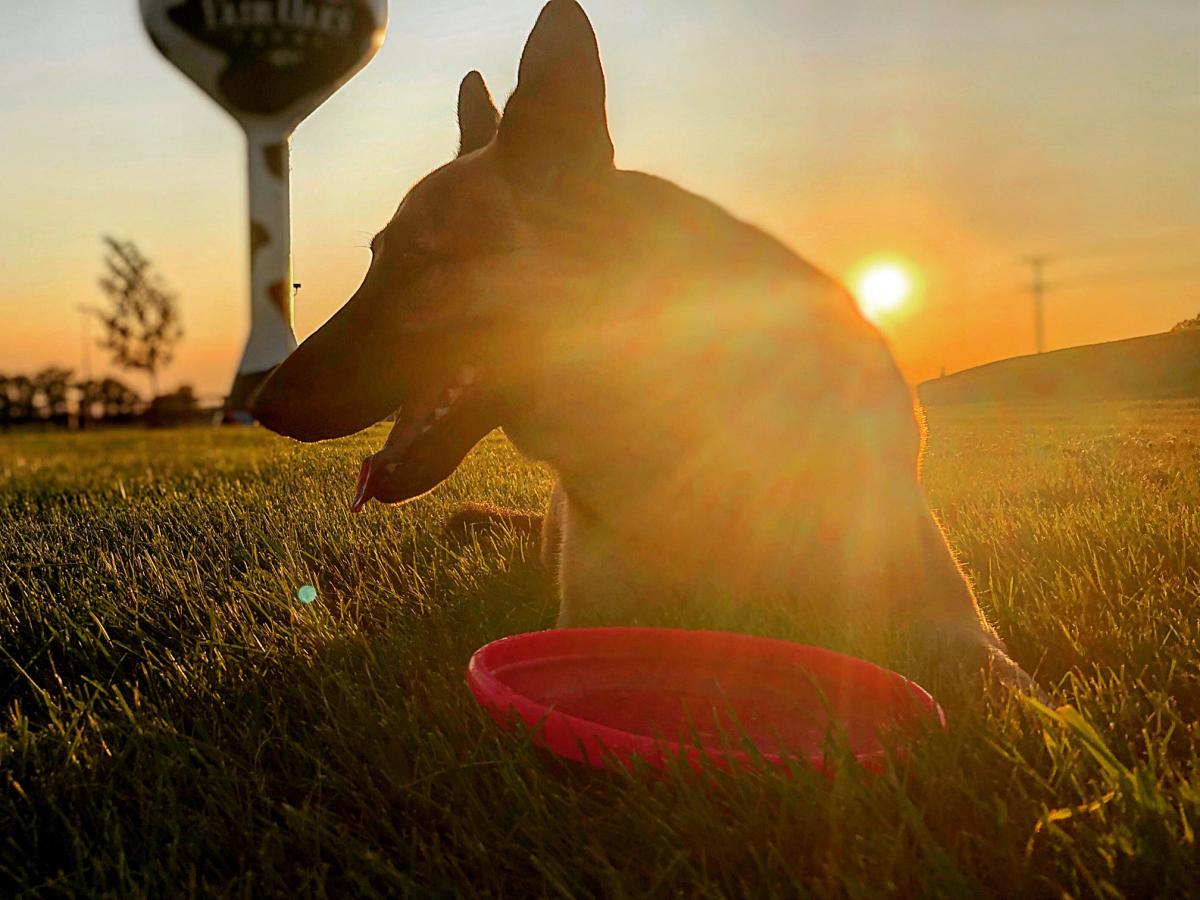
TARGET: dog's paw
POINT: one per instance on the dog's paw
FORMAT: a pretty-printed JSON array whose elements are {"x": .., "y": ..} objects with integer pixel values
[
  {"x": 970, "y": 649},
  {"x": 1004, "y": 673}
]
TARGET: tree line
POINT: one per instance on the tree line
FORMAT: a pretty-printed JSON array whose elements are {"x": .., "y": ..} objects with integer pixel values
[
  {"x": 53, "y": 397},
  {"x": 141, "y": 329},
  {"x": 1188, "y": 324}
]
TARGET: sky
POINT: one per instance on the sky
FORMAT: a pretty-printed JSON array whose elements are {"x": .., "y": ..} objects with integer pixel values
[{"x": 955, "y": 137}]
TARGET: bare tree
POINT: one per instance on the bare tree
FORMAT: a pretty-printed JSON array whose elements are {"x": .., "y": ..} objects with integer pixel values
[{"x": 141, "y": 323}]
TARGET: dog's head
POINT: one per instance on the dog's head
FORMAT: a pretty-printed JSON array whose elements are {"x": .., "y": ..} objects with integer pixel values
[{"x": 477, "y": 254}]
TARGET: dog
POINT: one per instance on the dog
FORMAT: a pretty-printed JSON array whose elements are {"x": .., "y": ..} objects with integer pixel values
[{"x": 724, "y": 424}]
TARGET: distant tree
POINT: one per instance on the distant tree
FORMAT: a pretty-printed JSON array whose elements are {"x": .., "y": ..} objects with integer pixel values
[
  {"x": 117, "y": 400},
  {"x": 178, "y": 408},
  {"x": 1187, "y": 324},
  {"x": 51, "y": 392},
  {"x": 90, "y": 401},
  {"x": 141, "y": 323},
  {"x": 5, "y": 407},
  {"x": 20, "y": 399}
]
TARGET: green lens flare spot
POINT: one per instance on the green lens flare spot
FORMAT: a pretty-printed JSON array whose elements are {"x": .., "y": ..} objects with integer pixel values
[{"x": 307, "y": 594}]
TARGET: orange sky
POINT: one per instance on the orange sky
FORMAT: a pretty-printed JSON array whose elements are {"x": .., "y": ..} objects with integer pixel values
[{"x": 959, "y": 137}]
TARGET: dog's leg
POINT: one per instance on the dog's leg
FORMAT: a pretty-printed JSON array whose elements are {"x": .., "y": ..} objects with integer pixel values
[
  {"x": 597, "y": 583},
  {"x": 948, "y": 616},
  {"x": 553, "y": 528}
]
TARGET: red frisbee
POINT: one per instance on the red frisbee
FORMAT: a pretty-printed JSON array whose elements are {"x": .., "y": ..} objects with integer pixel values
[{"x": 599, "y": 695}]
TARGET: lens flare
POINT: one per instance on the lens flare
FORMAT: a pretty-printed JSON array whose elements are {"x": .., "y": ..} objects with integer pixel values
[
  {"x": 882, "y": 288},
  {"x": 307, "y": 594}
]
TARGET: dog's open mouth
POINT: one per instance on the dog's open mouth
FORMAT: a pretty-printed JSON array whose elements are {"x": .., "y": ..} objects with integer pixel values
[{"x": 433, "y": 431}]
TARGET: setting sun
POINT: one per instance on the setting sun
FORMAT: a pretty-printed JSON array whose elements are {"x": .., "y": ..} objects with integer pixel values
[{"x": 881, "y": 288}]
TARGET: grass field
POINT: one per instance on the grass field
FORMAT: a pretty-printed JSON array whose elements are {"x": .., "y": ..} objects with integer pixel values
[{"x": 174, "y": 721}]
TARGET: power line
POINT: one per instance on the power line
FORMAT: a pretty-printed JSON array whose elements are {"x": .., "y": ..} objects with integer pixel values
[
  {"x": 1144, "y": 277},
  {"x": 1157, "y": 240}
]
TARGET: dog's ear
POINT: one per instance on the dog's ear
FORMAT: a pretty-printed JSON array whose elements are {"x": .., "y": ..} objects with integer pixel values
[
  {"x": 477, "y": 115},
  {"x": 554, "y": 124}
]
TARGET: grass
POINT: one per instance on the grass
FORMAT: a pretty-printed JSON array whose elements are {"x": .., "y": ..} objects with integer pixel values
[{"x": 174, "y": 721}]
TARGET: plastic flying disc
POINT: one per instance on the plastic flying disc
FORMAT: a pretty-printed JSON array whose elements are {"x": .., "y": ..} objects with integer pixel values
[{"x": 604, "y": 695}]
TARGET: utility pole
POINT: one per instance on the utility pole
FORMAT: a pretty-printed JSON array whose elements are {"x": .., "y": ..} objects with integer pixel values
[{"x": 1039, "y": 287}]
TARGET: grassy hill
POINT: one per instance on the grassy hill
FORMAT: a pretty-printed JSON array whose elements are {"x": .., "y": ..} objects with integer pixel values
[{"x": 1156, "y": 367}]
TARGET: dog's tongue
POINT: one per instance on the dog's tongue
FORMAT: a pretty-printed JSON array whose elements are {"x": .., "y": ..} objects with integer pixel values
[
  {"x": 415, "y": 420},
  {"x": 362, "y": 490},
  {"x": 374, "y": 467}
]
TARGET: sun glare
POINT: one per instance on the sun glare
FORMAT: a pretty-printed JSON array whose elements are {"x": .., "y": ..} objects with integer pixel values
[{"x": 882, "y": 288}]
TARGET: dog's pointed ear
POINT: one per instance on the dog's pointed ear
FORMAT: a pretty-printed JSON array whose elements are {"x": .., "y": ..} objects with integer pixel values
[
  {"x": 477, "y": 115},
  {"x": 554, "y": 123}
]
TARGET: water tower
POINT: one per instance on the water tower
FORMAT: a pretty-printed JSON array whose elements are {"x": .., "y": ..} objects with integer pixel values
[{"x": 268, "y": 63}]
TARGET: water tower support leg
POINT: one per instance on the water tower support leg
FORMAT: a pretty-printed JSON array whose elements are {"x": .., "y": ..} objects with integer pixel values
[{"x": 271, "y": 336}]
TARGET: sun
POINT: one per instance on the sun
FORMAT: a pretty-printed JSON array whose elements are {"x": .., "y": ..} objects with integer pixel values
[{"x": 882, "y": 288}]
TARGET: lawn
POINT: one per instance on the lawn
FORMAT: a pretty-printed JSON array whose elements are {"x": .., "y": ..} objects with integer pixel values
[{"x": 173, "y": 720}]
